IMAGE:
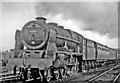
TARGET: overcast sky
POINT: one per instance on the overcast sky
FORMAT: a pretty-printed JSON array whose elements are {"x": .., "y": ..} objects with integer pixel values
[{"x": 95, "y": 20}]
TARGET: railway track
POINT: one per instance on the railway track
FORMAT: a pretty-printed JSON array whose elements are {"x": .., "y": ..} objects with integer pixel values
[
  {"x": 81, "y": 77},
  {"x": 10, "y": 78},
  {"x": 85, "y": 77},
  {"x": 110, "y": 75},
  {"x": 7, "y": 76}
]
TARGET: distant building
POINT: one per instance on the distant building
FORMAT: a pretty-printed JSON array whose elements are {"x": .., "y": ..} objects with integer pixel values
[{"x": 6, "y": 54}]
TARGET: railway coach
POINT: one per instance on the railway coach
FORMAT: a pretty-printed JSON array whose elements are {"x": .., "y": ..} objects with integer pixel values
[
  {"x": 96, "y": 54},
  {"x": 89, "y": 53}
]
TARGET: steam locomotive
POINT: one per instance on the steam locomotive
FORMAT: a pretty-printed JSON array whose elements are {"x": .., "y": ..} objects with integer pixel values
[{"x": 49, "y": 51}]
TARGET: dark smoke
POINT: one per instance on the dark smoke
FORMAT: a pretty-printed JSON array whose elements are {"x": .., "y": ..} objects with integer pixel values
[{"x": 99, "y": 17}]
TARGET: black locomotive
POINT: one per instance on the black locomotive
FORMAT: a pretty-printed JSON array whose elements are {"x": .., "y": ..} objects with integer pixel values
[{"x": 49, "y": 51}]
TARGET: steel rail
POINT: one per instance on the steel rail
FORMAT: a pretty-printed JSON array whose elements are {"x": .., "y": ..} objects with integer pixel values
[{"x": 114, "y": 81}]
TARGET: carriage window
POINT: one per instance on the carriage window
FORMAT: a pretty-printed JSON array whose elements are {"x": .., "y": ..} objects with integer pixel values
[
  {"x": 102, "y": 48},
  {"x": 98, "y": 47}
]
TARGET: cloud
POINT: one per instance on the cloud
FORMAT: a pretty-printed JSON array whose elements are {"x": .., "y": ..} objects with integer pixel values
[
  {"x": 14, "y": 16},
  {"x": 98, "y": 17},
  {"x": 82, "y": 17},
  {"x": 73, "y": 25}
]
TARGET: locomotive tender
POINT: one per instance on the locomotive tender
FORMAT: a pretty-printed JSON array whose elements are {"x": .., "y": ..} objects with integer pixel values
[{"x": 47, "y": 50}]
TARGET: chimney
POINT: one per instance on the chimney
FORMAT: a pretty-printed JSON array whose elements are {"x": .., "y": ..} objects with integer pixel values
[
  {"x": 52, "y": 23},
  {"x": 41, "y": 19},
  {"x": 61, "y": 27}
]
